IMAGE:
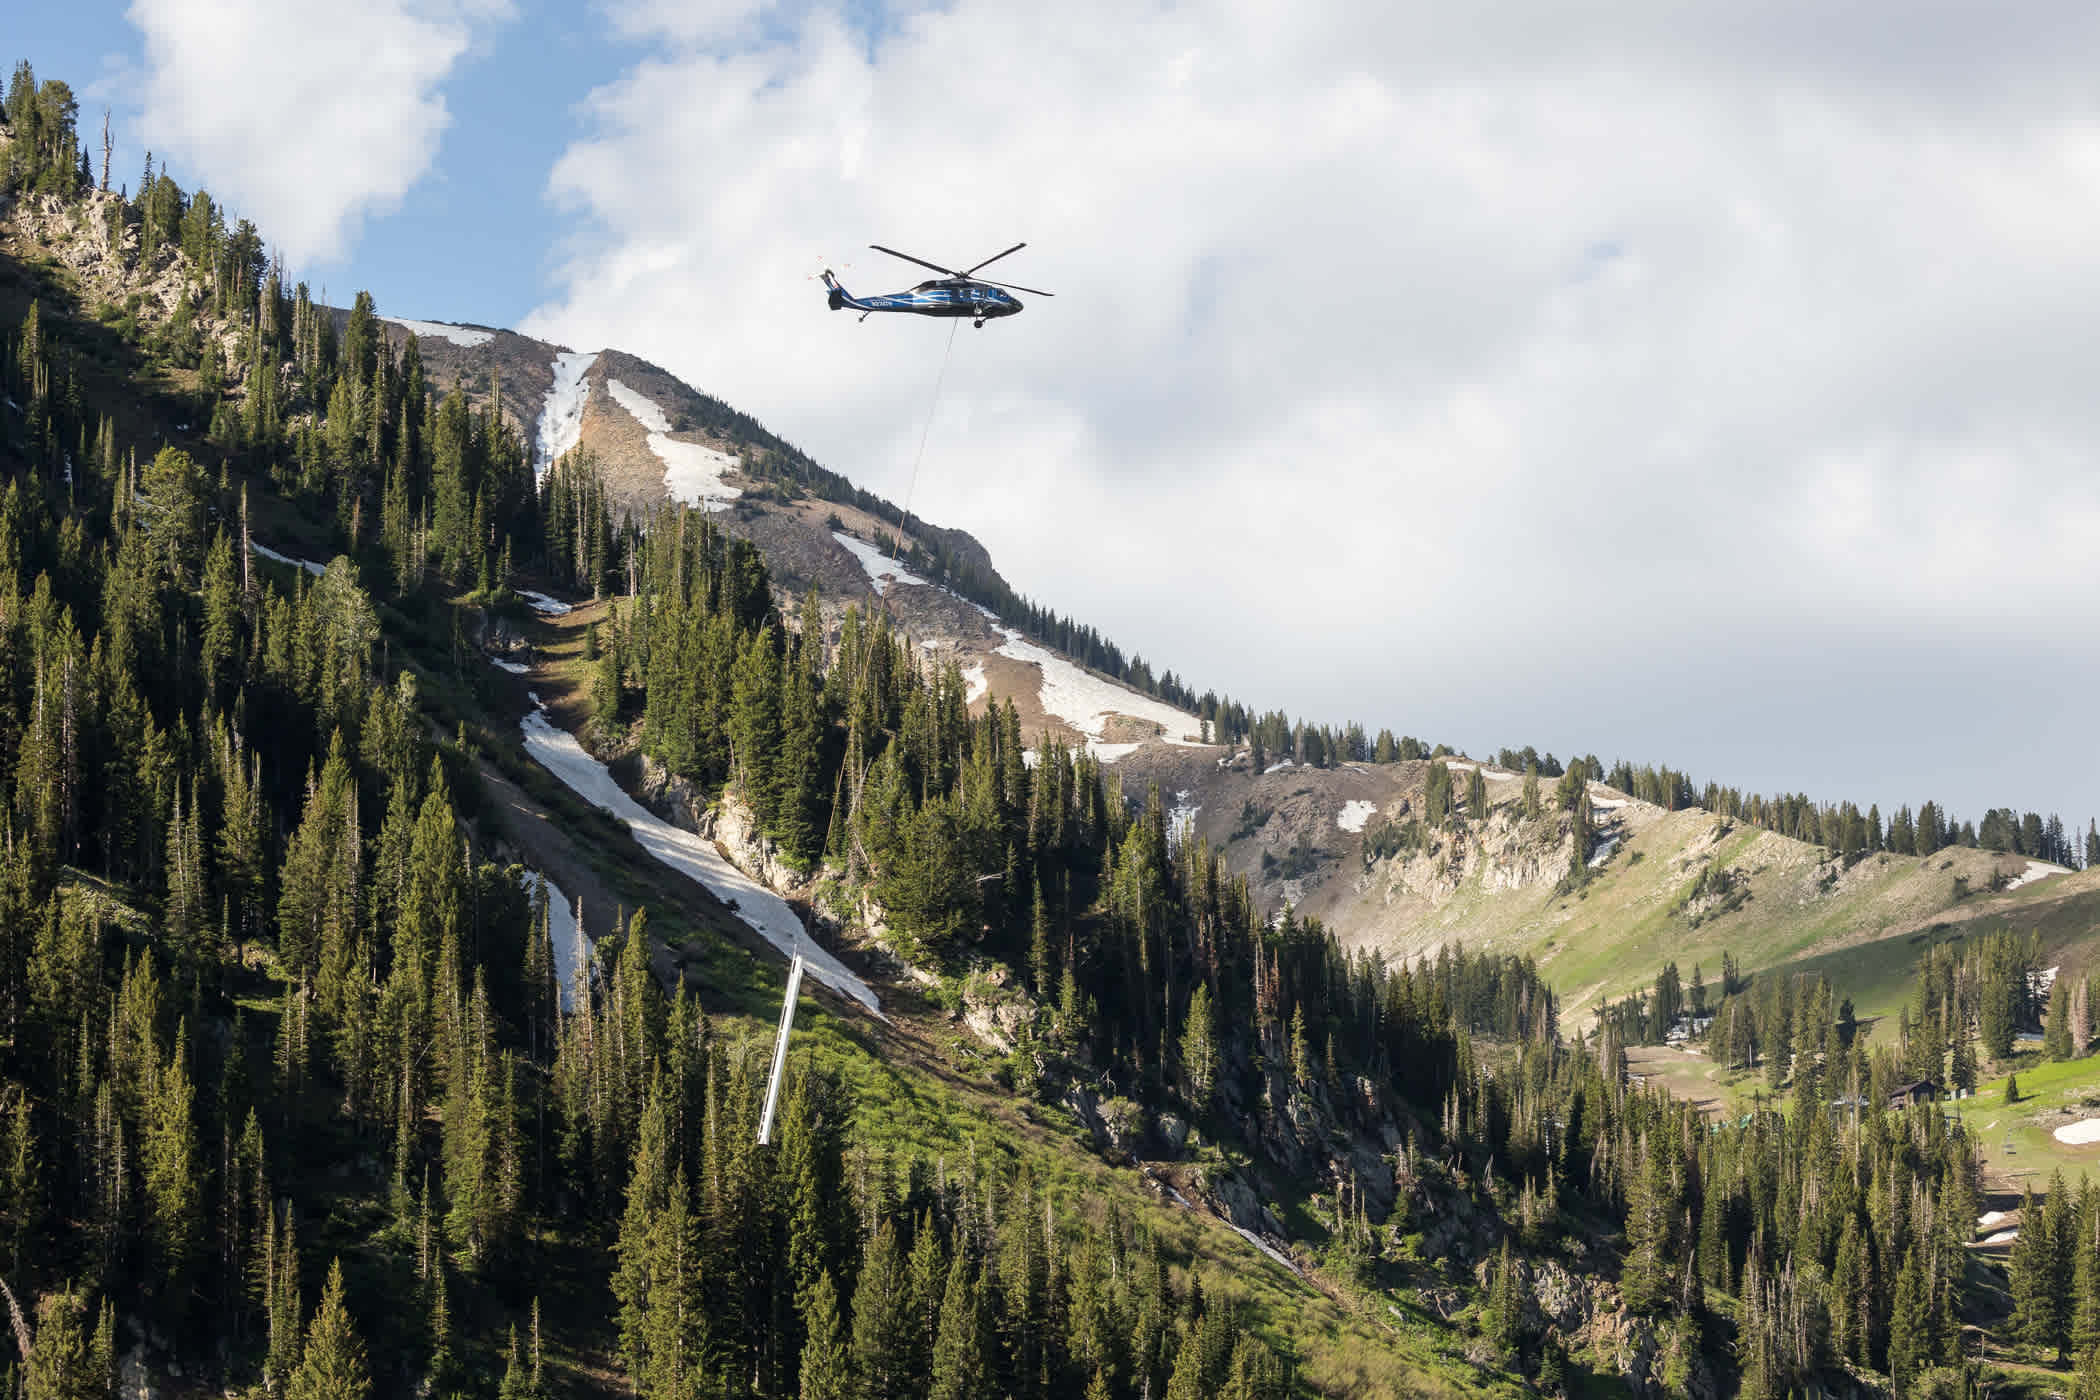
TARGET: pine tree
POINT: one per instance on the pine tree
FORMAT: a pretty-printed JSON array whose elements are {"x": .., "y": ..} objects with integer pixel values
[
  {"x": 2032, "y": 1272},
  {"x": 517, "y": 1381},
  {"x": 826, "y": 1374},
  {"x": 1301, "y": 1054},
  {"x": 333, "y": 1366},
  {"x": 220, "y": 640},
  {"x": 1505, "y": 1311},
  {"x": 2056, "y": 1036},
  {"x": 926, "y": 1279},
  {"x": 881, "y": 1323},
  {"x": 1651, "y": 1211},
  {"x": 1909, "y": 1347},
  {"x": 1199, "y": 1050},
  {"x": 172, "y": 1170},
  {"x": 442, "y": 1380},
  {"x": 960, "y": 1364},
  {"x": 61, "y": 1364}
]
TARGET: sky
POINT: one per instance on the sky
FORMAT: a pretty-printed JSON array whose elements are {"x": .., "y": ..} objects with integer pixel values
[{"x": 1703, "y": 385}]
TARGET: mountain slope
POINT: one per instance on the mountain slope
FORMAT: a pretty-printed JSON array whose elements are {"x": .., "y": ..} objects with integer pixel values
[{"x": 1492, "y": 887}]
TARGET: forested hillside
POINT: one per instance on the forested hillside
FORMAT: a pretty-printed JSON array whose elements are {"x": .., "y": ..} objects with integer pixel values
[{"x": 296, "y": 1098}]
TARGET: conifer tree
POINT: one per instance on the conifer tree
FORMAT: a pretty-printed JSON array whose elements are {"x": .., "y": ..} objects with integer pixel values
[
  {"x": 333, "y": 1366},
  {"x": 961, "y": 1368},
  {"x": 61, "y": 1363},
  {"x": 1199, "y": 1051},
  {"x": 926, "y": 1279},
  {"x": 170, "y": 1160},
  {"x": 882, "y": 1324},
  {"x": 825, "y": 1373},
  {"x": 2056, "y": 1030}
]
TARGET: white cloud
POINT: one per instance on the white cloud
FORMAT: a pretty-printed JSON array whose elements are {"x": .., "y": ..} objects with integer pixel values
[
  {"x": 1385, "y": 332},
  {"x": 304, "y": 115}
]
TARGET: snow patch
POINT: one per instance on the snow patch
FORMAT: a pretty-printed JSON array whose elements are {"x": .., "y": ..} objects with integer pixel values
[
  {"x": 516, "y": 668},
  {"x": 441, "y": 330},
  {"x": 979, "y": 686},
  {"x": 767, "y": 913},
  {"x": 1603, "y": 851},
  {"x": 2036, "y": 870},
  {"x": 561, "y": 416},
  {"x": 882, "y": 570},
  {"x": 1085, "y": 701},
  {"x": 1266, "y": 1248},
  {"x": 2003, "y": 1237},
  {"x": 1989, "y": 1218},
  {"x": 1181, "y": 819},
  {"x": 2078, "y": 1134},
  {"x": 1244, "y": 1233},
  {"x": 1354, "y": 814},
  {"x": 541, "y": 603},
  {"x": 274, "y": 557},
  {"x": 692, "y": 473},
  {"x": 1279, "y": 765},
  {"x": 571, "y": 945},
  {"x": 1109, "y": 753}
]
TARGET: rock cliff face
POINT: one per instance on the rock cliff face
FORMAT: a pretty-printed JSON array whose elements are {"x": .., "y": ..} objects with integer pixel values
[{"x": 1504, "y": 854}]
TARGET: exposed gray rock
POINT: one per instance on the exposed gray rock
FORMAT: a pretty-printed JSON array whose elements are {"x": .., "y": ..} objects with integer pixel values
[{"x": 1173, "y": 1133}]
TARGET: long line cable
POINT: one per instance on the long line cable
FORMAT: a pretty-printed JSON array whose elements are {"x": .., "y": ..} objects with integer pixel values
[{"x": 925, "y": 431}]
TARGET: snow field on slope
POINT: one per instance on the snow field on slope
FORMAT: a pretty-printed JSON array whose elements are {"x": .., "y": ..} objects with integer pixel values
[
  {"x": 882, "y": 570},
  {"x": 570, "y": 943},
  {"x": 541, "y": 603},
  {"x": 2036, "y": 870},
  {"x": 692, "y": 473},
  {"x": 974, "y": 675},
  {"x": 274, "y": 557},
  {"x": 1085, "y": 701},
  {"x": 561, "y": 416},
  {"x": 1354, "y": 814},
  {"x": 439, "y": 330},
  {"x": 516, "y": 668},
  {"x": 767, "y": 913}
]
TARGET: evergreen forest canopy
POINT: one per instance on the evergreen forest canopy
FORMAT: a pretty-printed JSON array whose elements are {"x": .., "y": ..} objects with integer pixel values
[{"x": 275, "y": 1026}]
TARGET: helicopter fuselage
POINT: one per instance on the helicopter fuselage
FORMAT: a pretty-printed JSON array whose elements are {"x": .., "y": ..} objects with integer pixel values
[{"x": 949, "y": 296}]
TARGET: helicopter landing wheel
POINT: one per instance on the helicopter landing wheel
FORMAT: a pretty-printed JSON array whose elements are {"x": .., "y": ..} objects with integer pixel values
[{"x": 978, "y": 324}]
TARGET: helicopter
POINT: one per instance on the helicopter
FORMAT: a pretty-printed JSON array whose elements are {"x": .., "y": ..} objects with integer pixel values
[{"x": 951, "y": 294}]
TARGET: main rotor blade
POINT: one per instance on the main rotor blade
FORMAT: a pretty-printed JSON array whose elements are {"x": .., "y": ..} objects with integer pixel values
[
  {"x": 1012, "y": 288},
  {"x": 992, "y": 259},
  {"x": 944, "y": 271}
]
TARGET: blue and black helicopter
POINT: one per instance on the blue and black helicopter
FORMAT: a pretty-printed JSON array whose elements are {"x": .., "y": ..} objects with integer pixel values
[{"x": 951, "y": 294}]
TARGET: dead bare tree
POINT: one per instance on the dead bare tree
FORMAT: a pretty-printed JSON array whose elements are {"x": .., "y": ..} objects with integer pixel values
[{"x": 20, "y": 1323}]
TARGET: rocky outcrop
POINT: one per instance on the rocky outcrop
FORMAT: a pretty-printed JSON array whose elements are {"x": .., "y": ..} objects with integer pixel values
[
  {"x": 1505, "y": 853},
  {"x": 995, "y": 1009},
  {"x": 1589, "y": 1316}
]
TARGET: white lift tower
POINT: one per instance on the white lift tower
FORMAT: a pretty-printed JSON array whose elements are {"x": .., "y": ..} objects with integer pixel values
[{"x": 780, "y": 1050}]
